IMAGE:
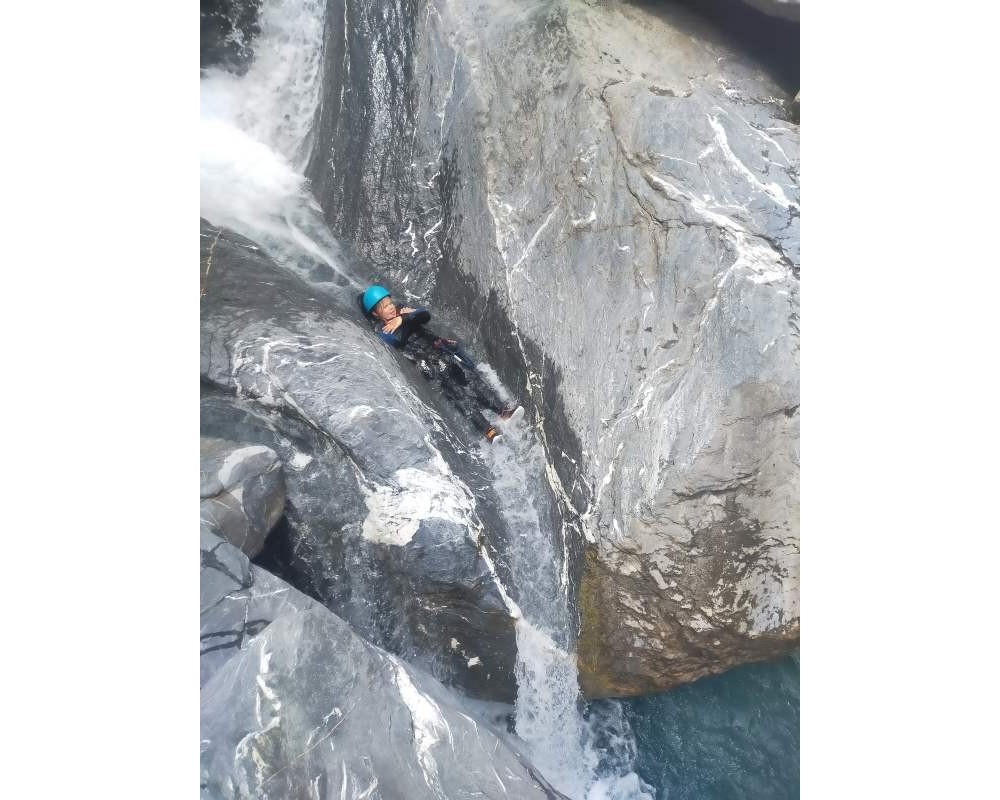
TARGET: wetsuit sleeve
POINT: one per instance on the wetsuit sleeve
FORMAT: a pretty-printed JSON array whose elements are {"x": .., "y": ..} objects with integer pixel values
[
  {"x": 411, "y": 323},
  {"x": 419, "y": 316}
]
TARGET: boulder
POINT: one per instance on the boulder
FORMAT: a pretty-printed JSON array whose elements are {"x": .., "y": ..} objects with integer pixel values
[
  {"x": 238, "y": 600},
  {"x": 609, "y": 193},
  {"x": 242, "y": 492},
  {"x": 382, "y": 526},
  {"x": 294, "y": 703}
]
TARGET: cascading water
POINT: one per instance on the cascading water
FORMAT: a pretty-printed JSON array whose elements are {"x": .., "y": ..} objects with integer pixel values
[
  {"x": 587, "y": 756},
  {"x": 255, "y": 142},
  {"x": 276, "y": 102}
]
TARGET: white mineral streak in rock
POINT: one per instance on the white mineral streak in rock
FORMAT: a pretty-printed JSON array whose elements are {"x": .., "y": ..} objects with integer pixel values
[
  {"x": 360, "y": 411},
  {"x": 413, "y": 238},
  {"x": 395, "y": 512},
  {"x": 512, "y": 607},
  {"x": 658, "y": 578},
  {"x": 584, "y": 222},
  {"x": 429, "y": 726},
  {"x": 772, "y": 190},
  {"x": 234, "y": 459},
  {"x": 267, "y": 719},
  {"x": 368, "y": 792}
]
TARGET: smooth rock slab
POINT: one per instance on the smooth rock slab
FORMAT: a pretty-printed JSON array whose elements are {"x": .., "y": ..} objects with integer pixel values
[
  {"x": 238, "y": 600},
  {"x": 611, "y": 192},
  {"x": 242, "y": 492},
  {"x": 382, "y": 524},
  {"x": 300, "y": 706},
  {"x": 784, "y": 9}
]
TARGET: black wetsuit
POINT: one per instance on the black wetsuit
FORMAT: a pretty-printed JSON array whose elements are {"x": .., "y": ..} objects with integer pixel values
[{"x": 445, "y": 361}]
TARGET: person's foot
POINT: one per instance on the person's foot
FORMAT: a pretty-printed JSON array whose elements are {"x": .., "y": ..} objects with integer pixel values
[
  {"x": 493, "y": 435},
  {"x": 511, "y": 414}
]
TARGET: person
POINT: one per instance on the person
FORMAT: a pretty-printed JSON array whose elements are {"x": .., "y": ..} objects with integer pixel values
[{"x": 402, "y": 327}]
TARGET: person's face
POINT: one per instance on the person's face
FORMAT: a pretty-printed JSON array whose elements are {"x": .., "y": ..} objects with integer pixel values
[{"x": 385, "y": 309}]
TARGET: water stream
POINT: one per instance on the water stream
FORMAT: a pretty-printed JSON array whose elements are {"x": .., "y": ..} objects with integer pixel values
[
  {"x": 255, "y": 137},
  {"x": 585, "y": 755},
  {"x": 256, "y": 133}
]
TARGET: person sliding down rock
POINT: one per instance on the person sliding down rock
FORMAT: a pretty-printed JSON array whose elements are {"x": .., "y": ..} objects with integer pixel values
[{"x": 437, "y": 358}]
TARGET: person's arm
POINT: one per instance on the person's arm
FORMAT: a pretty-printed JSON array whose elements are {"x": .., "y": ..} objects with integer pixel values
[{"x": 397, "y": 332}]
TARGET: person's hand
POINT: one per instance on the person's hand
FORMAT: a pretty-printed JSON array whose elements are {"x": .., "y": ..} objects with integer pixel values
[
  {"x": 392, "y": 324},
  {"x": 406, "y": 310}
]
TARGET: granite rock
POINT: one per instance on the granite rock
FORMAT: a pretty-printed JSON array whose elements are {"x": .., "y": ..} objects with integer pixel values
[
  {"x": 242, "y": 492},
  {"x": 295, "y": 704},
  {"x": 381, "y": 524},
  {"x": 609, "y": 194}
]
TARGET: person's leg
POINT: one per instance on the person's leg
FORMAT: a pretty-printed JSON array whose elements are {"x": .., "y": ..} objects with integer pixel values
[
  {"x": 488, "y": 396},
  {"x": 457, "y": 390},
  {"x": 463, "y": 371},
  {"x": 452, "y": 347}
]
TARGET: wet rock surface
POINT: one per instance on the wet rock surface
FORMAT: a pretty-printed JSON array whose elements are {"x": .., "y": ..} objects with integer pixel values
[
  {"x": 784, "y": 9},
  {"x": 242, "y": 492},
  {"x": 609, "y": 195},
  {"x": 293, "y": 701},
  {"x": 378, "y": 525}
]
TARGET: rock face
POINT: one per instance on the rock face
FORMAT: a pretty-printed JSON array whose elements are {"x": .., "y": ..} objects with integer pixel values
[
  {"x": 242, "y": 492},
  {"x": 294, "y": 704},
  {"x": 784, "y": 9},
  {"x": 611, "y": 197},
  {"x": 379, "y": 525}
]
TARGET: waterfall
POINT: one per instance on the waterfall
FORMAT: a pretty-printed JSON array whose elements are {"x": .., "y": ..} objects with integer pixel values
[
  {"x": 588, "y": 756},
  {"x": 256, "y": 137}
]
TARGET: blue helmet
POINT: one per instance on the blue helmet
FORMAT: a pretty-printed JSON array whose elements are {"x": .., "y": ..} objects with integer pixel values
[{"x": 371, "y": 297}]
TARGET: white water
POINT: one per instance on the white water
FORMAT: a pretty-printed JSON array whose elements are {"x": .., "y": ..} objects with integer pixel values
[
  {"x": 276, "y": 102},
  {"x": 255, "y": 141},
  {"x": 586, "y": 759}
]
